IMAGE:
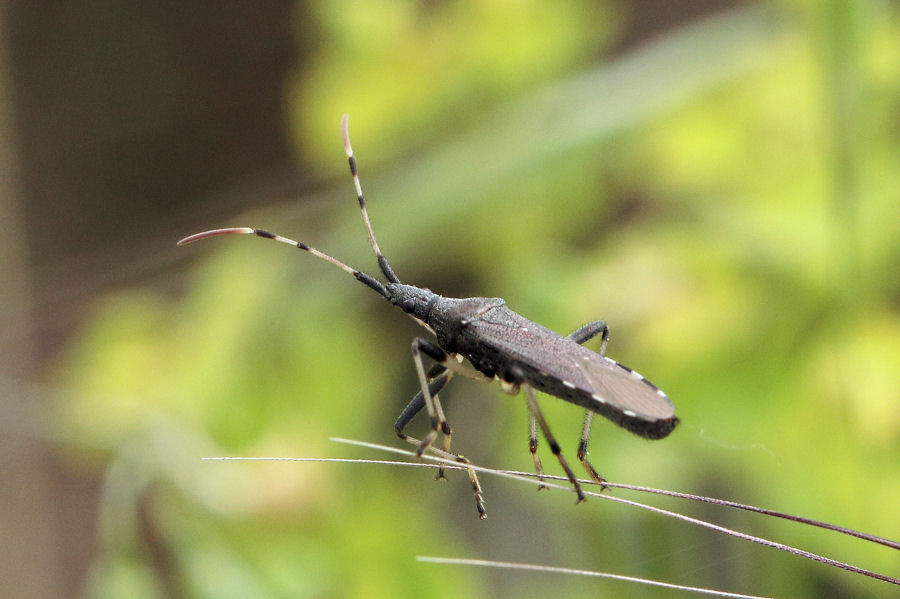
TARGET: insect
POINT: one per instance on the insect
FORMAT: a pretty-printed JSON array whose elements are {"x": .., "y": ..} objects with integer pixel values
[{"x": 482, "y": 339}]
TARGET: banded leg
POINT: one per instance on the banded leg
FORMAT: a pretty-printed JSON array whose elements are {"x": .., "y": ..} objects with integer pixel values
[
  {"x": 591, "y": 330},
  {"x": 463, "y": 461},
  {"x": 532, "y": 447},
  {"x": 432, "y": 404},
  {"x": 427, "y": 397},
  {"x": 531, "y": 397},
  {"x": 581, "y": 336},
  {"x": 438, "y": 377}
]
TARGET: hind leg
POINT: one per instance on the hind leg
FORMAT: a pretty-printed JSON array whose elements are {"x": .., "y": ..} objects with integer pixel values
[{"x": 581, "y": 336}]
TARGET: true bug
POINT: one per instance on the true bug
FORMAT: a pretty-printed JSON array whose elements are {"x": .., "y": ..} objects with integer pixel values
[{"x": 482, "y": 339}]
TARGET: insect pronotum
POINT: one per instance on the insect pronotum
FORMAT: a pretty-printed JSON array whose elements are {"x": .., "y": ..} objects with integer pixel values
[{"x": 482, "y": 339}]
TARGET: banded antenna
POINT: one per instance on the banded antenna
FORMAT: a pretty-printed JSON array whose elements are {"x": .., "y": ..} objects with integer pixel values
[{"x": 362, "y": 277}]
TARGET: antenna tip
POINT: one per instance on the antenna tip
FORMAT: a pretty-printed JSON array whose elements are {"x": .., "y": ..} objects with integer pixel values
[
  {"x": 215, "y": 233},
  {"x": 345, "y": 132}
]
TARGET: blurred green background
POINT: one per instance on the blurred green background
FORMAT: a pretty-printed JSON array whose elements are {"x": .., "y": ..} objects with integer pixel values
[{"x": 718, "y": 180}]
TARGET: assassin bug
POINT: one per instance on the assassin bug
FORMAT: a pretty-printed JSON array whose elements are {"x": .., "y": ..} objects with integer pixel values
[{"x": 482, "y": 339}]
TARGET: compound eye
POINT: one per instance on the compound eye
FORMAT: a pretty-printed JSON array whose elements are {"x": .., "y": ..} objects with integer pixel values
[{"x": 408, "y": 305}]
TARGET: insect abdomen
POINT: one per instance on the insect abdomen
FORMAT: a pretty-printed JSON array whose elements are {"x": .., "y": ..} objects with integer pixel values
[{"x": 502, "y": 342}]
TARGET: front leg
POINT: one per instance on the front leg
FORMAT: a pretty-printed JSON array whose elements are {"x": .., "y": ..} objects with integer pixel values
[
  {"x": 432, "y": 403},
  {"x": 439, "y": 376},
  {"x": 428, "y": 398}
]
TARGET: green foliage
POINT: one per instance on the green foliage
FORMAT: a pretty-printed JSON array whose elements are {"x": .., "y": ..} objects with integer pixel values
[{"x": 719, "y": 197}]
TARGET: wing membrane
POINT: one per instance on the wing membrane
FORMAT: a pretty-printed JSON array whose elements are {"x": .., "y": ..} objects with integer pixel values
[
  {"x": 624, "y": 388},
  {"x": 550, "y": 354}
]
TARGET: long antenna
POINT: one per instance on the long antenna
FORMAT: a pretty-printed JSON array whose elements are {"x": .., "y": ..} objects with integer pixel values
[
  {"x": 382, "y": 261},
  {"x": 360, "y": 276}
]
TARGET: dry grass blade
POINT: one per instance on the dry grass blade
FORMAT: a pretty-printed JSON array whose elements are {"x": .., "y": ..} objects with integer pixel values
[
  {"x": 759, "y": 540},
  {"x": 532, "y": 479},
  {"x": 577, "y": 572}
]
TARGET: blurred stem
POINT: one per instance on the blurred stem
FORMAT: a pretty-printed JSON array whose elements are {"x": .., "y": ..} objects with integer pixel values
[
  {"x": 841, "y": 36},
  {"x": 27, "y": 503}
]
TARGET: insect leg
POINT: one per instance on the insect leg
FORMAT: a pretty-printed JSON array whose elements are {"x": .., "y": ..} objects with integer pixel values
[
  {"x": 435, "y": 413},
  {"x": 591, "y": 330},
  {"x": 438, "y": 375},
  {"x": 432, "y": 404},
  {"x": 554, "y": 446},
  {"x": 582, "y": 448},
  {"x": 581, "y": 336},
  {"x": 463, "y": 461},
  {"x": 427, "y": 397},
  {"x": 532, "y": 447}
]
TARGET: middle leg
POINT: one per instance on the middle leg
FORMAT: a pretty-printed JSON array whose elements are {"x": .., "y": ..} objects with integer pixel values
[{"x": 531, "y": 397}]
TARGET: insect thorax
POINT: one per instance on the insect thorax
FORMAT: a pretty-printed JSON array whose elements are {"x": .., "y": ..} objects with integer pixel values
[{"x": 449, "y": 317}]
